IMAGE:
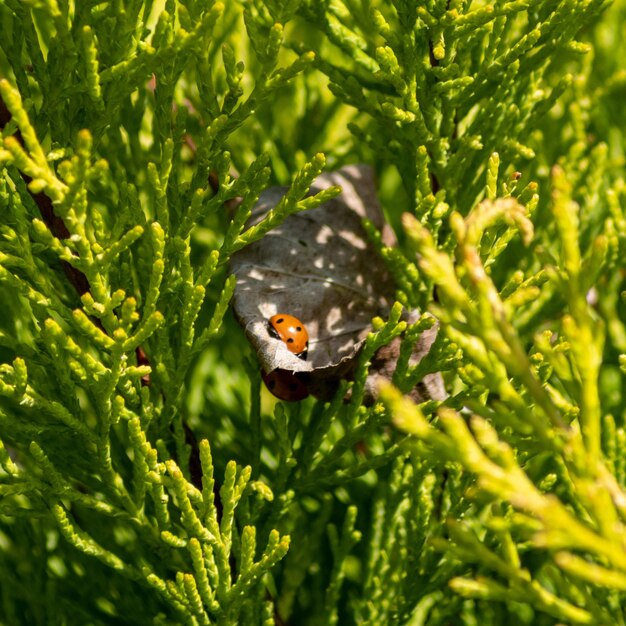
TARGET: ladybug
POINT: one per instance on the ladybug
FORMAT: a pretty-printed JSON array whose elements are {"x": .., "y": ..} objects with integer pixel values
[
  {"x": 285, "y": 385},
  {"x": 292, "y": 331}
]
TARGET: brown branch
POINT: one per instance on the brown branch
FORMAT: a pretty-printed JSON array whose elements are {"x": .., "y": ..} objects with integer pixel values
[{"x": 44, "y": 204}]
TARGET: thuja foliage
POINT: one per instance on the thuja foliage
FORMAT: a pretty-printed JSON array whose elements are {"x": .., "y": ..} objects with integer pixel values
[{"x": 145, "y": 475}]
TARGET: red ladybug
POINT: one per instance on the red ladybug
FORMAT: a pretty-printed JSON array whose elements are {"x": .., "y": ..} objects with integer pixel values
[
  {"x": 285, "y": 385},
  {"x": 292, "y": 331}
]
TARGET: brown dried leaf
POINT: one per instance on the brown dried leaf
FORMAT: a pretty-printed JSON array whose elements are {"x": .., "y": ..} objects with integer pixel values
[
  {"x": 383, "y": 366},
  {"x": 319, "y": 266}
]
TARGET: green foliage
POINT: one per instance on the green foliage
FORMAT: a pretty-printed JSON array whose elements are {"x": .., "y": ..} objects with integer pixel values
[{"x": 137, "y": 138}]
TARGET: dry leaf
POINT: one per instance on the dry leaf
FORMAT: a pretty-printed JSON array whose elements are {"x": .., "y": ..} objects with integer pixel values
[
  {"x": 320, "y": 267},
  {"x": 383, "y": 365}
]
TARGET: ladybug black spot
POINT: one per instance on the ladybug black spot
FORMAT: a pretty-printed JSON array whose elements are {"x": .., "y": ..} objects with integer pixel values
[
  {"x": 290, "y": 340},
  {"x": 280, "y": 321},
  {"x": 299, "y": 329}
]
